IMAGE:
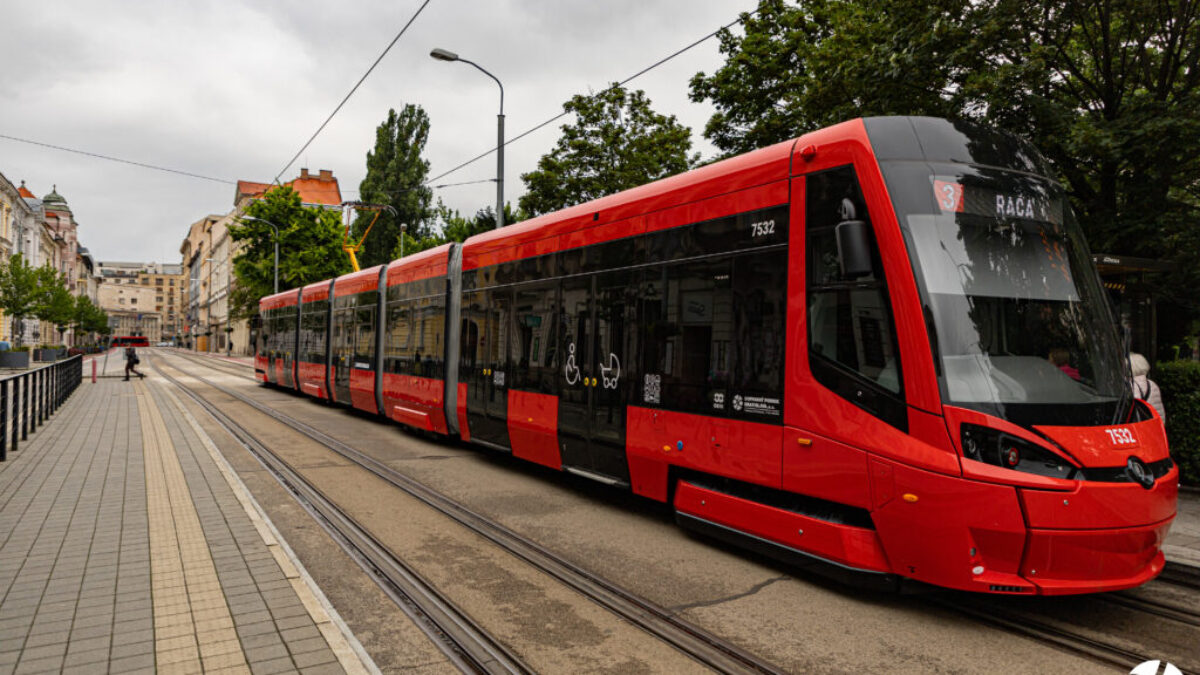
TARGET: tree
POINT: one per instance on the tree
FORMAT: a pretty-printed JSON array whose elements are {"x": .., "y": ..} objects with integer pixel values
[
  {"x": 1109, "y": 91},
  {"x": 449, "y": 225},
  {"x": 21, "y": 292},
  {"x": 88, "y": 317},
  {"x": 396, "y": 174},
  {"x": 310, "y": 248},
  {"x": 616, "y": 142},
  {"x": 58, "y": 305}
]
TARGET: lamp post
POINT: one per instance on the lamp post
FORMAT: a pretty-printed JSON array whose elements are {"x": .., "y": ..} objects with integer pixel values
[
  {"x": 276, "y": 228},
  {"x": 443, "y": 55}
]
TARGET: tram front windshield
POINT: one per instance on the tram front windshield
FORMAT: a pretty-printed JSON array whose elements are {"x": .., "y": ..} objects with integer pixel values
[{"x": 1020, "y": 324}]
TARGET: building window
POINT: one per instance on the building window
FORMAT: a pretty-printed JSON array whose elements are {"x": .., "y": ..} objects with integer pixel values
[
  {"x": 133, "y": 301},
  {"x": 158, "y": 281}
]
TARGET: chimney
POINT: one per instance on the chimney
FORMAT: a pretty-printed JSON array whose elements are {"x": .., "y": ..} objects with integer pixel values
[
  {"x": 326, "y": 175},
  {"x": 303, "y": 173}
]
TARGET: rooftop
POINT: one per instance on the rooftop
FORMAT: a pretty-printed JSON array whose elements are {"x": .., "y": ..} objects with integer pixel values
[{"x": 321, "y": 188}]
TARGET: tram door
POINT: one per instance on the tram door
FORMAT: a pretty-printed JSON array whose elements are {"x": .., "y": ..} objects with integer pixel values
[
  {"x": 342, "y": 352},
  {"x": 487, "y": 318},
  {"x": 594, "y": 345}
]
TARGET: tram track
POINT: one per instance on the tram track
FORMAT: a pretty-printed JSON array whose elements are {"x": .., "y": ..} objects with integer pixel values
[
  {"x": 687, "y": 638},
  {"x": 1072, "y": 637},
  {"x": 1159, "y": 621},
  {"x": 466, "y": 644}
]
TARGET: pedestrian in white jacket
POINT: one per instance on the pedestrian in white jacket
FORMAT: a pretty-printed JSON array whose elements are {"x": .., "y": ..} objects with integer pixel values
[{"x": 1143, "y": 387}]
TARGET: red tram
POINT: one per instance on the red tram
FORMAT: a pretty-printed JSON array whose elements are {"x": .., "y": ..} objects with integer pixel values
[
  {"x": 130, "y": 341},
  {"x": 881, "y": 346}
]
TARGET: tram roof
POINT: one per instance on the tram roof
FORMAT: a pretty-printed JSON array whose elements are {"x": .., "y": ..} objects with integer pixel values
[
  {"x": 731, "y": 175},
  {"x": 357, "y": 282},
  {"x": 423, "y": 265},
  {"x": 282, "y": 299}
]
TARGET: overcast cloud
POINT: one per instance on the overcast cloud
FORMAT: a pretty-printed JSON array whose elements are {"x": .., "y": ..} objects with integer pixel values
[{"x": 233, "y": 89}]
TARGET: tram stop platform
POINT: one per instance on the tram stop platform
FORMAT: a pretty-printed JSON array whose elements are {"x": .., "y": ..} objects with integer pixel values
[{"x": 128, "y": 544}]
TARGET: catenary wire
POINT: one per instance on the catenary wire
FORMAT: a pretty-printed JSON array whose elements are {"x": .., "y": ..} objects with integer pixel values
[
  {"x": 352, "y": 90},
  {"x": 340, "y": 105},
  {"x": 117, "y": 159},
  {"x": 619, "y": 84}
]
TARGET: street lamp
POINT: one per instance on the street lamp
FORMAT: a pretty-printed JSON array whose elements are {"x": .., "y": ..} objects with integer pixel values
[
  {"x": 276, "y": 228},
  {"x": 443, "y": 55}
]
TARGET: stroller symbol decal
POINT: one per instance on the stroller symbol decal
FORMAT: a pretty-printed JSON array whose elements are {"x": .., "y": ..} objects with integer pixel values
[{"x": 612, "y": 372}]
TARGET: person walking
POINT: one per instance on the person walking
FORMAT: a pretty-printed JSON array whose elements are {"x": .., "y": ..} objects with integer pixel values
[
  {"x": 131, "y": 360},
  {"x": 1143, "y": 387}
]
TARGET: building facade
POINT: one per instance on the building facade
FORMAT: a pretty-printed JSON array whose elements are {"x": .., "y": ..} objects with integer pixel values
[
  {"x": 208, "y": 252},
  {"x": 145, "y": 298},
  {"x": 130, "y": 308}
]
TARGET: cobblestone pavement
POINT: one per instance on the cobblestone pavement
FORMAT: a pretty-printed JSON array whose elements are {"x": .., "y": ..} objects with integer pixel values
[{"x": 128, "y": 545}]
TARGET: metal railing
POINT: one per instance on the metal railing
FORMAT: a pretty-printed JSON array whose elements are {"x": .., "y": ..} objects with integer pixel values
[{"x": 29, "y": 399}]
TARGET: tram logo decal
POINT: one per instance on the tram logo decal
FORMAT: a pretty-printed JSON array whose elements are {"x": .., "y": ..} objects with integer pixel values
[
  {"x": 612, "y": 372},
  {"x": 571, "y": 370}
]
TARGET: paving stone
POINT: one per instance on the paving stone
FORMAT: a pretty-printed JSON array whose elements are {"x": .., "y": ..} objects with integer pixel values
[
  {"x": 266, "y": 653},
  {"x": 270, "y": 667},
  {"x": 132, "y": 649},
  {"x": 309, "y": 645},
  {"x": 261, "y": 628},
  {"x": 94, "y": 656},
  {"x": 315, "y": 658},
  {"x": 301, "y": 633},
  {"x": 127, "y": 663},
  {"x": 48, "y": 665},
  {"x": 43, "y": 652}
]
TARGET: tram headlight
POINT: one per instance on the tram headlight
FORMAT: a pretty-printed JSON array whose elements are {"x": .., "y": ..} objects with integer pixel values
[{"x": 1000, "y": 449}]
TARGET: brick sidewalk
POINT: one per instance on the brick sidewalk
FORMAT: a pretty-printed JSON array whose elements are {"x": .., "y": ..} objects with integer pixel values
[{"x": 126, "y": 546}]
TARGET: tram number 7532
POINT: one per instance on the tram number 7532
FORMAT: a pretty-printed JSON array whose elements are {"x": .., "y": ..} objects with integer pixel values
[
  {"x": 1121, "y": 436},
  {"x": 762, "y": 228}
]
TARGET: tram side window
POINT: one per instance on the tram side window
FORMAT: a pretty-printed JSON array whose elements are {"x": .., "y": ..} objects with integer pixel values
[
  {"x": 533, "y": 343},
  {"x": 428, "y": 333},
  {"x": 287, "y": 335},
  {"x": 397, "y": 350},
  {"x": 687, "y": 325},
  {"x": 364, "y": 343},
  {"x": 760, "y": 309},
  {"x": 473, "y": 315},
  {"x": 343, "y": 329},
  {"x": 850, "y": 324}
]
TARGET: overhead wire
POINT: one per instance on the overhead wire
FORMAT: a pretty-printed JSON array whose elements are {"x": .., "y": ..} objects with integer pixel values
[
  {"x": 345, "y": 99},
  {"x": 618, "y": 84},
  {"x": 352, "y": 90},
  {"x": 110, "y": 158}
]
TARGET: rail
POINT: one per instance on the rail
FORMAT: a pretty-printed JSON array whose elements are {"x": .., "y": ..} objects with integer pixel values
[{"x": 28, "y": 399}]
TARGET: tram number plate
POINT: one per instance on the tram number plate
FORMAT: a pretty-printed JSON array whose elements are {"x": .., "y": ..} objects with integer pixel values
[
  {"x": 1121, "y": 436},
  {"x": 762, "y": 228}
]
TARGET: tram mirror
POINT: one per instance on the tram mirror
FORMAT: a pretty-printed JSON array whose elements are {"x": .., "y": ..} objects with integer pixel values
[{"x": 854, "y": 248}]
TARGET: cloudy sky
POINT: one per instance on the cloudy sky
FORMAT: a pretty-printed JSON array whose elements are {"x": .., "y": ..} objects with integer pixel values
[{"x": 232, "y": 90}]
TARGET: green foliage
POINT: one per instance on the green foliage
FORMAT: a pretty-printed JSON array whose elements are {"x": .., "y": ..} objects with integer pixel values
[
  {"x": 617, "y": 142},
  {"x": 1109, "y": 91},
  {"x": 396, "y": 173},
  {"x": 88, "y": 317},
  {"x": 1180, "y": 385},
  {"x": 450, "y": 225},
  {"x": 59, "y": 307},
  {"x": 310, "y": 248},
  {"x": 21, "y": 291}
]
